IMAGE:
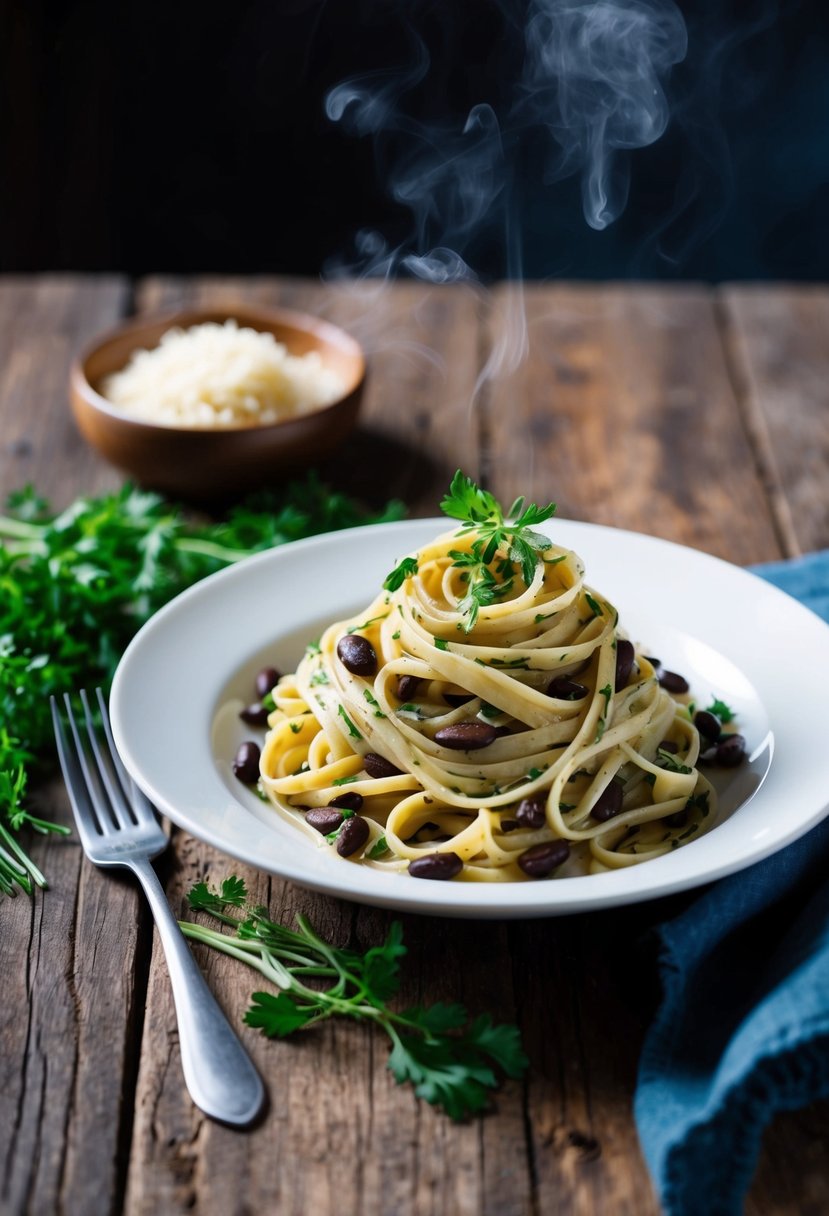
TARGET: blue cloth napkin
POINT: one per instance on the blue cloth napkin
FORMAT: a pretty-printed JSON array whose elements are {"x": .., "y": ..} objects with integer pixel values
[{"x": 743, "y": 1028}]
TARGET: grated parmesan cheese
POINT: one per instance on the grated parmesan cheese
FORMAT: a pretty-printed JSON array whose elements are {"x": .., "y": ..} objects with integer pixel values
[{"x": 215, "y": 375}]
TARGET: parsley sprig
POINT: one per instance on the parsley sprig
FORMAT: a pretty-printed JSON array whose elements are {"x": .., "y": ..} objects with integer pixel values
[
  {"x": 75, "y": 587},
  {"x": 514, "y": 544},
  {"x": 449, "y": 1059}
]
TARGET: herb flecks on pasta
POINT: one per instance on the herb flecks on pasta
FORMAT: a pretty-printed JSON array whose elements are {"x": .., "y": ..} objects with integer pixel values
[{"x": 485, "y": 717}]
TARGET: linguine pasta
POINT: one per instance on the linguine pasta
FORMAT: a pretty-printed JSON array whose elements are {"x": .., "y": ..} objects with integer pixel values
[{"x": 518, "y": 733}]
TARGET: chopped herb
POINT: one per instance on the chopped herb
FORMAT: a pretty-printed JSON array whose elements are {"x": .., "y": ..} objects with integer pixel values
[
  {"x": 441, "y": 643},
  {"x": 543, "y": 616},
  {"x": 320, "y": 677},
  {"x": 534, "y": 774},
  {"x": 377, "y": 849},
  {"x": 405, "y": 569},
  {"x": 313, "y": 648},
  {"x": 372, "y": 700},
  {"x": 670, "y": 762},
  {"x": 296, "y": 727},
  {"x": 566, "y": 806},
  {"x": 594, "y": 605},
  {"x": 722, "y": 711},
  {"x": 332, "y": 836},
  {"x": 366, "y": 624},
  {"x": 268, "y": 702},
  {"x": 490, "y": 711},
  {"x": 352, "y": 729},
  {"x": 396, "y": 636},
  {"x": 512, "y": 664},
  {"x": 607, "y": 693},
  {"x": 346, "y": 780},
  {"x": 408, "y": 708}
]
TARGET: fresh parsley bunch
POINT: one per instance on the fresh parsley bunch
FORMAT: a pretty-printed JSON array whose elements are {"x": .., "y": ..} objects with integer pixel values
[
  {"x": 75, "y": 587},
  {"x": 450, "y": 1060}
]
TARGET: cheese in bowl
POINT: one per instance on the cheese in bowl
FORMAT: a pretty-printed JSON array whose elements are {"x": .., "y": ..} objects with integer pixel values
[{"x": 221, "y": 375}]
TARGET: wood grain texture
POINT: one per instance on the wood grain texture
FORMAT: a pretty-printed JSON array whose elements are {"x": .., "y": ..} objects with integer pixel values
[
  {"x": 624, "y": 414},
  {"x": 778, "y": 341},
  {"x": 71, "y": 959}
]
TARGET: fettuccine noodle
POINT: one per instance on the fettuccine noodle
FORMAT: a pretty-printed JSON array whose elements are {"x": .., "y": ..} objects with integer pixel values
[{"x": 569, "y": 740}]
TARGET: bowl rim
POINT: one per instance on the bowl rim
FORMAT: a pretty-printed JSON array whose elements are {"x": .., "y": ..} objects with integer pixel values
[{"x": 81, "y": 386}]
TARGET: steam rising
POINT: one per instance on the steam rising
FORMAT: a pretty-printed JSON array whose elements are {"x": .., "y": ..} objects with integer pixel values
[
  {"x": 589, "y": 78},
  {"x": 593, "y": 77}
]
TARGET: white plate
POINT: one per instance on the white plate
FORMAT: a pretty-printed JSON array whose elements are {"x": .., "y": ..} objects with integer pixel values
[{"x": 182, "y": 679}]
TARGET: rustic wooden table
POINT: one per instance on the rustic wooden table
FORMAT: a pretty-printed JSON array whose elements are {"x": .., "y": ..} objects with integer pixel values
[{"x": 695, "y": 414}]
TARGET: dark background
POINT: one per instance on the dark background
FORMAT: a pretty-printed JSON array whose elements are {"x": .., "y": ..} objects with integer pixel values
[{"x": 191, "y": 136}]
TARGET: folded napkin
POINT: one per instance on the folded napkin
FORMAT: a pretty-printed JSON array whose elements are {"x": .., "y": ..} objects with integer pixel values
[{"x": 743, "y": 1028}]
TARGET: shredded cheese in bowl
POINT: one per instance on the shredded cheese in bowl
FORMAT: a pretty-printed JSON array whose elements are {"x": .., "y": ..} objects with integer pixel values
[{"x": 214, "y": 375}]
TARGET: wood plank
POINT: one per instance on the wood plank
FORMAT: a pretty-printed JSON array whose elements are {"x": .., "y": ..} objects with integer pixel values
[
  {"x": 777, "y": 343},
  {"x": 341, "y": 1135},
  {"x": 624, "y": 413},
  {"x": 44, "y": 321},
  {"x": 71, "y": 987},
  {"x": 419, "y": 421}
]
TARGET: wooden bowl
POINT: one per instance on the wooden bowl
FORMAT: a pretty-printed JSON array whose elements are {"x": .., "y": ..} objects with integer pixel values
[{"x": 208, "y": 462}]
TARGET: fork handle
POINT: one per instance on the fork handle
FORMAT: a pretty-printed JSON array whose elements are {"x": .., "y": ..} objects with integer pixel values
[{"x": 218, "y": 1072}]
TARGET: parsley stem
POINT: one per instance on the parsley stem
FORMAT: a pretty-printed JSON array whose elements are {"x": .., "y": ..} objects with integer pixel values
[
  {"x": 20, "y": 528},
  {"x": 21, "y": 857}
]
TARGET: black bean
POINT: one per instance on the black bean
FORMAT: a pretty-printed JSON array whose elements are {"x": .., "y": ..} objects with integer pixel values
[
  {"x": 671, "y": 681},
  {"x": 357, "y": 655},
  {"x": 466, "y": 736},
  {"x": 625, "y": 655},
  {"x": 255, "y": 715},
  {"x": 350, "y": 801},
  {"x": 379, "y": 766},
  {"x": 608, "y": 804},
  {"x": 457, "y": 698},
  {"x": 353, "y": 835},
  {"x": 436, "y": 865},
  {"x": 324, "y": 818},
  {"x": 266, "y": 681},
  {"x": 542, "y": 859},
  {"x": 532, "y": 812},
  {"x": 407, "y": 686},
  {"x": 246, "y": 763},
  {"x": 708, "y": 724},
  {"x": 509, "y": 825},
  {"x": 667, "y": 745},
  {"x": 730, "y": 750},
  {"x": 564, "y": 689}
]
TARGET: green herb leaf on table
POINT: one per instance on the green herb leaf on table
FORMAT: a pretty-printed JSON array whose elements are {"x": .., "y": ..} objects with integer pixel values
[
  {"x": 450, "y": 1060},
  {"x": 76, "y": 586}
]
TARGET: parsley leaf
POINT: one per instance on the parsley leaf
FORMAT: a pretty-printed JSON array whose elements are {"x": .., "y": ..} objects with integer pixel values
[
  {"x": 452, "y": 1061},
  {"x": 513, "y": 544},
  {"x": 405, "y": 569}
]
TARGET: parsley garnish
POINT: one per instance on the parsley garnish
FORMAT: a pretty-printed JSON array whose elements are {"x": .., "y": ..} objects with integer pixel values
[
  {"x": 377, "y": 849},
  {"x": 365, "y": 625},
  {"x": 441, "y": 643},
  {"x": 352, "y": 729},
  {"x": 594, "y": 605},
  {"x": 513, "y": 544},
  {"x": 319, "y": 677},
  {"x": 296, "y": 727},
  {"x": 722, "y": 711},
  {"x": 372, "y": 700},
  {"x": 447, "y": 1057},
  {"x": 668, "y": 761},
  {"x": 403, "y": 570},
  {"x": 346, "y": 780}
]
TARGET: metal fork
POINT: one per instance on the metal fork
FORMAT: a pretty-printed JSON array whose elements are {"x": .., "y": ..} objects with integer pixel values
[{"x": 118, "y": 827}]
